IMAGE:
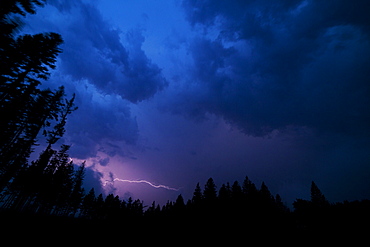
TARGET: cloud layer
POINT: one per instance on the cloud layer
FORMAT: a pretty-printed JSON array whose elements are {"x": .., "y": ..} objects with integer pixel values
[
  {"x": 95, "y": 52},
  {"x": 266, "y": 66},
  {"x": 108, "y": 71}
]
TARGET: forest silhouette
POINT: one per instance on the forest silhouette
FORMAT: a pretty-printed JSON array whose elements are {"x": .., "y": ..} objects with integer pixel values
[{"x": 50, "y": 188}]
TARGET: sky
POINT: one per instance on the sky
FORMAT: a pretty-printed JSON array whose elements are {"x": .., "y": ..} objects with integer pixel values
[{"x": 173, "y": 92}]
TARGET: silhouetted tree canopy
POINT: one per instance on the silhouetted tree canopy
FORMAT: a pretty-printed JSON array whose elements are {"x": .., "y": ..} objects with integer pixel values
[{"x": 25, "y": 61}]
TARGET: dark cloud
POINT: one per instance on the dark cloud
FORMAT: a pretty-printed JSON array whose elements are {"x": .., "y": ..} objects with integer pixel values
[
  {"x": 102, "y": 123},
  {"x": 104, "y": 162},
  {"x": 266, "y": 66},
  {"x": 142, "y": 78},
  {"x": 94, "y": 51},
  {"x": 106, "y": 68},
  {"x": 93, "y": 180}
]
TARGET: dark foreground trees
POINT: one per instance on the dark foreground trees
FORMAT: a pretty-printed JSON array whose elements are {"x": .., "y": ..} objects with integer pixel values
[
  {"x": 49, "y": 184},
  {"x": 236, "y": 206},
  {"x": 241, "y": 208},
  {"x": 25, "y": 108}
]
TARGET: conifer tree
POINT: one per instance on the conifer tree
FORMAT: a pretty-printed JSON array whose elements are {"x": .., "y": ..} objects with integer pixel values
[
  {"x": 24, "y": 107},
  {"x": 249, "y": 188},
  {"x": 265, "y": 192},
  {"x": 62, "y": 187},
  {"x": 266, "y": 198},
  {"x": 137, "y": 208},
  {"x": 224, "y": 193},
  {"x": 317, "y": 198},
  {"x": 99, "y": 212},
  {"x": 210, "y": 192},
  {"x": 151, "y": 210},
  {"x": 88, "y": 204},
  {"x": 197, "y": 195},
  {"x": 77, "y": 191},
  {"x": 21, "y": 7},
  {"x": 280, "y": 205},
  {"x": 236, "y": 192},
  {"x": 179, "y": 205},
  {"x": 10, "y": 23}
]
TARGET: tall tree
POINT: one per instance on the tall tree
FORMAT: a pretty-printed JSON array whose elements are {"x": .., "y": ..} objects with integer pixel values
[
  {"x": 249, "y": 188},
  {"x": 21, "y": 7},
  {"x": 280, "y": 206},
  {"x": 236, "y": 192},
  {"x": 210, "y": 192},
  {"x": 265, "y": 195},
  {"x": 88, "y": 204},
  {"x": 99, "y": 212},
  {"x": 317, "y": 198},
  {"x": 197, "y": 195},
  {"x": 59, "y": 128},
  {"x": 10, "y": 10},
  {"x": 25, "y": 60},
  {"x": 179, "y": 205},
  {"x": 77, "y": 191},
  {"x": 224, "y": 193}
]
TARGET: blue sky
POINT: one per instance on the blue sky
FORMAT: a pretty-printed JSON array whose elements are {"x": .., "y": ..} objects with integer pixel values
[{"x": 174, "y": 92}]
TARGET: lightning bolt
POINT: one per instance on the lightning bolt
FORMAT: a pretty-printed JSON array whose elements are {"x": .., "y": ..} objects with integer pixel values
[{"x": 143, "y": 181}]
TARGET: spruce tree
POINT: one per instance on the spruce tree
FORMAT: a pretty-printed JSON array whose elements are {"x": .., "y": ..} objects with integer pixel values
[
  {"x": 236, "y": 192},
  {"x": 210, "y": 192},
  {"x": 224, "y": 193},
  {"x": 266, "y": 198},
  {"x": 249, "y": 188},
  {"x": 25, "y": 60},
  {"x": 197, "y": 195},
  {"x": 21, "y": 7},
  {"x": 179, "y": 205},
  {"x": 317, "y": 198},
  {"x": 99, "y": 211},
  {"x": 88, "y": 204},
  {"x": 77, "y": 191}
]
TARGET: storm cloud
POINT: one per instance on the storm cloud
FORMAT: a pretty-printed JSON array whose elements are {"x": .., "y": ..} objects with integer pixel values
[
  {"x": 108, "y": 71},
  {"x": 264, "y": 66},
  {"x": 95, "y": 52}
]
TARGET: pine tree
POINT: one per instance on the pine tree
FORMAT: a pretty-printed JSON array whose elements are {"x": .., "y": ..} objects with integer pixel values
[
  {"x": 77, "y": 191},
  {"x": 24, "y": 108},
  {"x": 179, "y": 205},
  {"x": 210, "y": 192},
  {"x": 88, "y": 204},
  {"x": 249, "y": 188},
  {"x": 224, "y": 194},
  {"x": 151, "y": 210},
  {"x": 137, "y": 208},
  {"x": 109, "y": 205},
  {"x": 63, "y": 185},
  {"x": 280, "y": 205},
  {"x": 59, "y": 129},
  {"x": 10, "y": 23},
  {"x": 21, "y": 7},
  {"x": 236, "y": 192},
  {"x": 265, "y": 195},
  {"x": 49, "y": 184},
  {"x": 317, "y": 198},
  {"x": 197, "y": 195},
  {"x": 99, "y": 209}
]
